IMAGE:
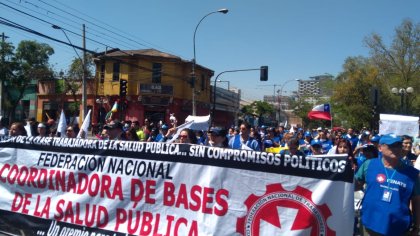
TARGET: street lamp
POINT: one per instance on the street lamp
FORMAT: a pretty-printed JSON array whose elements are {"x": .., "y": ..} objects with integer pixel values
[
  {"x": 225, "y": 81},
  {"x": 83, "y": 61},
  {"x": 224, "y": 11},
  {"x": 280, "y": 91},
  {"x": 263, "y": 75},
  {"x": 403, "y": 93}
]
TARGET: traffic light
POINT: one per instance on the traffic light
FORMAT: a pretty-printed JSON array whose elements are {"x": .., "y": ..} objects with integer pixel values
[
  {"x": 123, "y": 87},
  {"x": 263, "y": 73}
]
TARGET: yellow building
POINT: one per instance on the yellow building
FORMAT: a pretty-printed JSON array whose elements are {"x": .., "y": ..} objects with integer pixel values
[{"x": 158, "y": 84}]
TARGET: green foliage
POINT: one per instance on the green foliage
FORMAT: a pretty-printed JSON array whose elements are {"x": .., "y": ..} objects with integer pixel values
[
  {"x": 351, "y": 100},
  {"x": 301, "y": 109},
  {"x": 399, "y": 64},
  {"x": 75, "y": 71},
  {"x": 259, "y": 108},
  {"x": 29, "y": 63}
]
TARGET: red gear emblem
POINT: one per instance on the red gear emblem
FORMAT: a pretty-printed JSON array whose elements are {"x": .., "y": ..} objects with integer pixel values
[{"x": 279, "y": 211}]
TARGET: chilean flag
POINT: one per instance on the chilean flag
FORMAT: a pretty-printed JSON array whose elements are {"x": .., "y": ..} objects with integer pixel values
[{"x": 320, "y": 112}]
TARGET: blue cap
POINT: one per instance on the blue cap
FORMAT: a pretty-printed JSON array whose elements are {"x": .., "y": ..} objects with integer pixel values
[
  {"x": 164, "y": 127},
  {"x": 217, "y": 131},
  {"x": 307, "y": 134},
  {"x": 366, "y": 133},
  {"x": 316, "y": 142},
  {"x": 390, "y": 139},
  {"x": 375, "y": 138}
]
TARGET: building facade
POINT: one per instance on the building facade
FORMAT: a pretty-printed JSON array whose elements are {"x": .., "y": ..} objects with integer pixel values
[
  {"x": 315, "y": 88},
  {"x": 158, "y": 84}
]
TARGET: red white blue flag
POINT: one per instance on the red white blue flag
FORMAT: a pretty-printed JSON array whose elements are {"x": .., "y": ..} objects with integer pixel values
[{"x": 320, "y": 112}]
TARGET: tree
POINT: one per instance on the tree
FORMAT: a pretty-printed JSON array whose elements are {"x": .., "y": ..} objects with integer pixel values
[
  {"x": 259, "y": 108},
  {"x": 351, "y": 100},
  {"x": 31, "y": 61},
  {"x": 301, "y": 109},
  {"x": 399, "y": 63},
  {"x": 73, "y": 81},
  {"x": 6, "y": 66}
]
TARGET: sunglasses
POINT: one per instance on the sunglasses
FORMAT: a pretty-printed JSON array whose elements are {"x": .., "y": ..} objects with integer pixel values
[{"x": 183, "y": 136}]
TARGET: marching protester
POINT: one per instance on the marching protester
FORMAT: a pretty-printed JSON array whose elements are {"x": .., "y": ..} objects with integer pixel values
[
  {"x": 243, "y": 140},
  {"x": 70, "y": 132},
  {"x": 269, "y": 140},
  {"x": 42, "y": 130},
  {"x": 292, "y": 148},
  {"x": 130, "y": 134},
  {"x": 16, "y": 129},
  {"x": 325, "y": 142},
  {"x": 344, "y": 147},
  {"x": 139, "y": 131},
  {"x": 386, "y": 205},
  {"x": 103, "y": 135},
  {"x": 305, "y": 143},
  {"x": 187, "y": 136},
  {"x": 115, "y": 130},
  {"x": 407, "y": 155},
  {"x": 217, "y": 138},
  {"x": 316, "y": 147}
]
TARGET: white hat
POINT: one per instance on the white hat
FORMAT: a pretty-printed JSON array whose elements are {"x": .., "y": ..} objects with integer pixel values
[
  {"x": 319, "y": 128},
  {"x": 41, "y": 125}
]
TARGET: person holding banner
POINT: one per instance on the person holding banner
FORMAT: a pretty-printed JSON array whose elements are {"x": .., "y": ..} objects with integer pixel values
[
  {"x": 390, "y": 187},
  {"x": 243, "y": 140},
  {"x": 17, "y": 129},
  {"x": 187, "y": 136},
  {"x": 115, "y": 130},
  {"x": 217, "y": 138},
  {"x": 70, "y": 133}
]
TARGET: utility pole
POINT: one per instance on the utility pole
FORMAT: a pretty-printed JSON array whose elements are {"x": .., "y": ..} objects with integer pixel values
[
  {"x": 84, "y": 97},
  {"x": 3, "y": 70}
]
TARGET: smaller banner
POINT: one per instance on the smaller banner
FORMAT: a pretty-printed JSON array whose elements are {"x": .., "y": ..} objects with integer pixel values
[{"x": 399, "y": 125}]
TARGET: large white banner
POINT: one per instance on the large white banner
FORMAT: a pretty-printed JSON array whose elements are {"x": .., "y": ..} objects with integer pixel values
[
  {"x": 399, "y": 125},
  {"x": 54, "y": 186}
]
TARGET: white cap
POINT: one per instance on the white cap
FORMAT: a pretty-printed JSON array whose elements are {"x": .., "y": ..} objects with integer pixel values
[{"x": 41, "y": 125}]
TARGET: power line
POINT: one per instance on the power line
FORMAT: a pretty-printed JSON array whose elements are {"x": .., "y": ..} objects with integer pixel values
[
  {"x": 52, "y": 24},
  {"x": 21, "y": 27},
  {"x": 153, "y": 45},
  {"x": 91, "y": 22}
]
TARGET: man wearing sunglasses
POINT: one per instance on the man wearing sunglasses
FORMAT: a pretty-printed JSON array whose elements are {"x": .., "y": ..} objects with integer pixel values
[{"x": 391, "y": 185}]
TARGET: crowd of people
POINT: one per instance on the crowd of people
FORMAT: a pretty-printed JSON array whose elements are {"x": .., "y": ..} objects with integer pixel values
[{"x": 384, "y": 165}]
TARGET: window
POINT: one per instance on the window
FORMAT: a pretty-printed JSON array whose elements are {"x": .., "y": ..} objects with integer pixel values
[
  {"x": 102, "y": 75},
  {"x": 203, "y": 82},
  {"x": 157, "y": 73},
  {"x": 116, "y": 72}
]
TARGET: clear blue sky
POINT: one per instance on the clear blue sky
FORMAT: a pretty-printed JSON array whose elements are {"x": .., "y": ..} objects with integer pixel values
[{"x": 295, "y": 38}]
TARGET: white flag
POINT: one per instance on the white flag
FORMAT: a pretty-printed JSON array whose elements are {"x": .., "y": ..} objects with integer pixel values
[
  {"x": 62, "y": 125},
  {"x": 85, "y": 126}
]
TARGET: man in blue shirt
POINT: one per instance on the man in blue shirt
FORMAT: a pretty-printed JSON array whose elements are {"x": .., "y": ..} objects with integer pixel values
[
  {"x": 390, "y": 187},
  {"x": 243, "y": 140}
]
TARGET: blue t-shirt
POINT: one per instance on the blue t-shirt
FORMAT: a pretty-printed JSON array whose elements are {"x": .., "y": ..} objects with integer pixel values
[{"x": 385, "y": 206}]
